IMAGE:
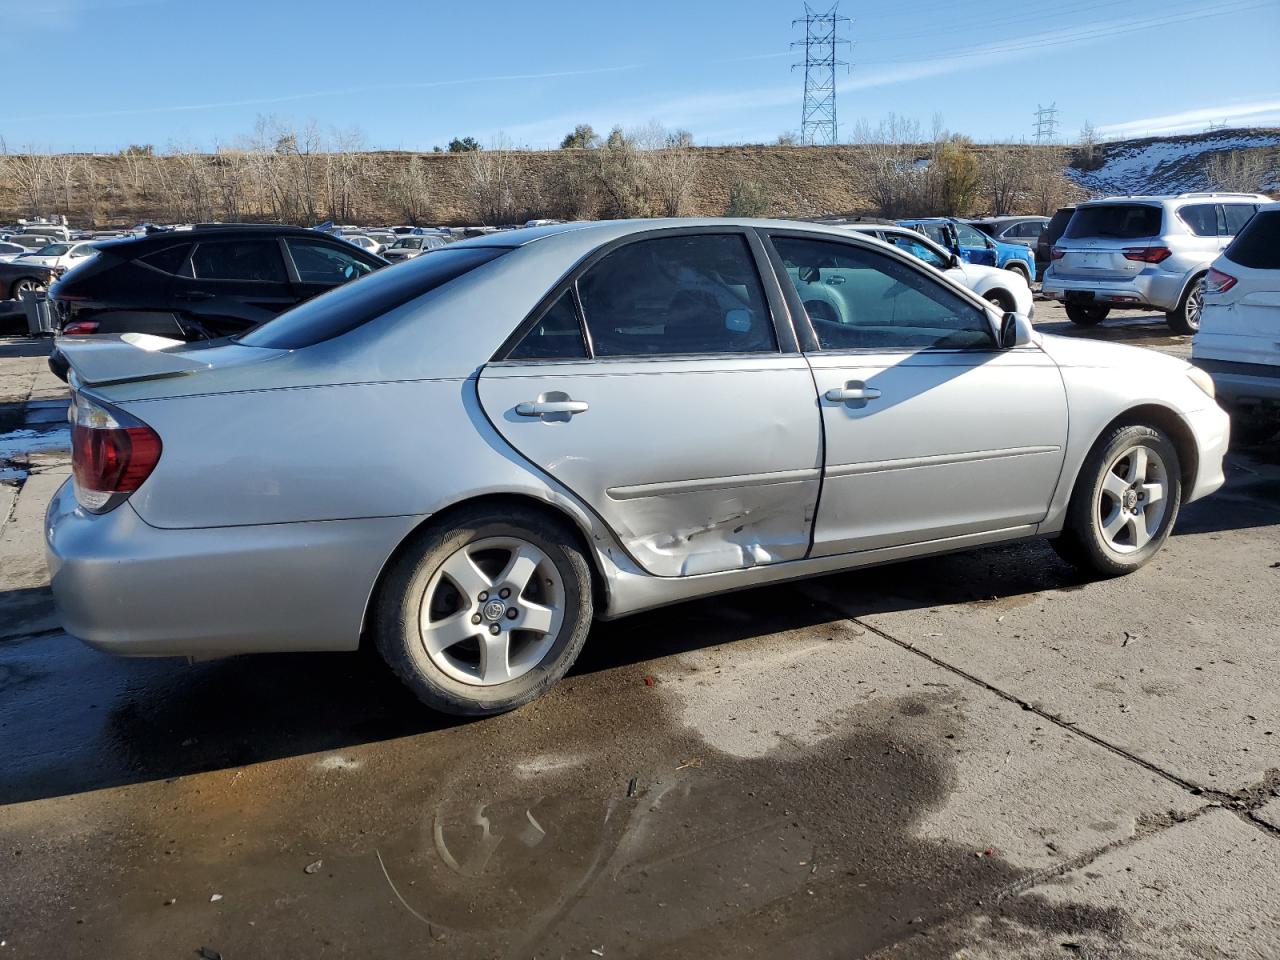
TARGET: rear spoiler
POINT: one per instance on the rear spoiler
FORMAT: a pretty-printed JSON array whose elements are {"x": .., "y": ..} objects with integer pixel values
[{"x": 101, "y": 360}]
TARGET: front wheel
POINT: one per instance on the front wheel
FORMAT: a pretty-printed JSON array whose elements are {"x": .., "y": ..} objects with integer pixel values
[
  {"x": 1185, "y": 317},
  {"x": 1086, "y": 316},
  {"x": 485, "y": 613},
  {"x": 25, "y": 286},
  {"x": 1125, "y": 502},
  {"x": 1002, "y": 299}
]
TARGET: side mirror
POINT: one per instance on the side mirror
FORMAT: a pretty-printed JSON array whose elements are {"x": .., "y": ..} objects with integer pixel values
[
  {"x": 953, "y": 262},
  {"x": 1015, "y": 331}
]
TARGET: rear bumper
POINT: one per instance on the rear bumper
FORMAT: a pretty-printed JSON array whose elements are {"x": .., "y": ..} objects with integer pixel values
[
  {"x": 1243, "y": 383},
  {"x": 1149, "y": 289},
  {"x": 132, "y": 589}
]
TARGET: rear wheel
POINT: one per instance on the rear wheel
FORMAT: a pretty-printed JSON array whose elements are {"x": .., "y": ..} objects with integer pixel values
[
  {"x": 1083, "y": 315},
  {"x": 484, "y": 614},
  {"x": 1125, "y": 502},
  {"x": 26, "y": 285},
  {"x": 1185, "y": 317},
  {"x": 1018, "y": 267}
]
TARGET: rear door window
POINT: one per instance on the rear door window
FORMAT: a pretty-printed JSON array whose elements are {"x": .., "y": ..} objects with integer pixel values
[
  {"x": 244, "y": 260},
  {"x": 1201, "y": 218},
  {"x": 681, "y": 295},
  {"x": 1258, "y": 245},
  {"x": 1238, "y": 214},
  {"x": 1115, "y": 221}
]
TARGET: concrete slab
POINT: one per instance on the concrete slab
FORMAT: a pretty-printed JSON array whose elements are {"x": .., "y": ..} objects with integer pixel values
[{"x": 1269, "y": 814}]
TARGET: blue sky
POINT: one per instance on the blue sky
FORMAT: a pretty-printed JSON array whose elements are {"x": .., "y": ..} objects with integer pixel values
[{"x": 413, "y": 73}]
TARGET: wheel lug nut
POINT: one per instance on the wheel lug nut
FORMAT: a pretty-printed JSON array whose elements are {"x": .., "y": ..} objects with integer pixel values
[
  {"x": 484, "y": 595},
  {"x": 475, "y": 618},
  {"x": 504, "y": 593},
  {"x": 494, "y": 629},
  {"x": 512, "y": 613}
]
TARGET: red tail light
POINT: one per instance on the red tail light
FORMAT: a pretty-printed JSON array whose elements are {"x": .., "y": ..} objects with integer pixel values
[
  {"x": 1215, "y": 281},
  {"x": 1147, "y": 254},
  {"x": 112, "y": 453},
  {"x": 79, "y": 328},
  {"x": 1056, "y": 253}
]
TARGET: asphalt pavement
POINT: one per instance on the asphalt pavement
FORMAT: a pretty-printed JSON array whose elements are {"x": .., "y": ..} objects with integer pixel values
[{"x": 979, "y": 755}]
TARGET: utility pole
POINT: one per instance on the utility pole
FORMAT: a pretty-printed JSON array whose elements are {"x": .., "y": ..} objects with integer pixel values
[
  {"x": 821, "y": 38},
  {"x": 1046, "y": 123}
]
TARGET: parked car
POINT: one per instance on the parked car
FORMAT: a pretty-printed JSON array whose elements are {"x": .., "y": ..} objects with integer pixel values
[
  {"x": 1238, "y": 342},
  {"x": 974, "y": 246},
  {"x": 384, "y": 237},
  {"x": 1052, "y": 233},
  {"x": 475, "y": 454},
  {"x": 1004, "y": 288},
  {"x": 362, "y": 241},
  {"x": 61, "y": 256},
  {"x": 1024, "y": 231},
  {"x": 18, "y": 278},
  {"x": 54, "y": 231},
  {"x": 30, "y": 242},
  {"x": 408, "y": 247},
  {"x": 1144, "y": 253},
  {"x": 201, "y": 284},
  {"x": 10, "y": 250}
]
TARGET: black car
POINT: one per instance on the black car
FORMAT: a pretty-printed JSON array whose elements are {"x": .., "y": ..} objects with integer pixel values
[
  {"x": 205, "y": 283},
  {"x": 17, "y": 278},
  {"x": 1052, "y": 232}
]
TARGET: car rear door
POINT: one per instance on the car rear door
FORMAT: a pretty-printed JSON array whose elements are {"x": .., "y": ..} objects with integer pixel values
[
  {"x": 231, "y": 284},
  {"x": 932, "y": 432},
  {"x": 661, "y": 384}
]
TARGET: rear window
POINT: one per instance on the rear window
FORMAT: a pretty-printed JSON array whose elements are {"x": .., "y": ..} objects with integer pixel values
[
  {"x": 1258, "y": 245},
  {"x": 1119, "y": 221},
  {"x": 168, "y": 260},
  {"x": 354, "y": 304}
]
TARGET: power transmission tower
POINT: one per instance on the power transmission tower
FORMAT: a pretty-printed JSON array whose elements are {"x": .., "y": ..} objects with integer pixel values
[
  {"x": 1046, "y": 122},
  {"x": 821, "y": 38}
]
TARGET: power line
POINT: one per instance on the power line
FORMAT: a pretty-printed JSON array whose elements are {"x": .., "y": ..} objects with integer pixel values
[
  {"x": 1046, "y": 123},
  {"x": 821, "y": 38}
]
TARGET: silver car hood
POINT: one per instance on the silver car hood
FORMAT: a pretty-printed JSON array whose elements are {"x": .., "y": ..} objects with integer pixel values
[{"x": 1076, "y": 352}]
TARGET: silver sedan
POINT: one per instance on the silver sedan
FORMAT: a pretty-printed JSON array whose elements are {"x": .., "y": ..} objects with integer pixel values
[{"x": 469, "y": 458}]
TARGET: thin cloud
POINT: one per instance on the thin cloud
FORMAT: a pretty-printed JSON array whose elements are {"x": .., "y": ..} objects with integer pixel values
[{"x": 1257, "y": 112}]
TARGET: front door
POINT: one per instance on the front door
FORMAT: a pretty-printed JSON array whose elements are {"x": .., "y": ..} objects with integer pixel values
[
  {"x": 931, "y": 431},
  {"x": 677, "y": 417}
]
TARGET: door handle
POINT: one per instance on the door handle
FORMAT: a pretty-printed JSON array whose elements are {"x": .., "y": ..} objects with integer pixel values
[
  {"x": 852, "y": 391},
  {"x": 193, "y": 295},
  {"x": 554, "y": 410}
]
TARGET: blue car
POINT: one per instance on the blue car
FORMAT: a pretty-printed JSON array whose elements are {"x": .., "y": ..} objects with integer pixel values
[{"x": 974, "y": 246}]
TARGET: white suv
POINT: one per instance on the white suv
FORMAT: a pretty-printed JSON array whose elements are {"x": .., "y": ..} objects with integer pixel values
[
  {"x": 1239, "y": 339},
  {"x": 1144, "y": 252}
]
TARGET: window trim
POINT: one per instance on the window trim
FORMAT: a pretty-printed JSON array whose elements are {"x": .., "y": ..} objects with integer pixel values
[
  {"x": 779, "y": 314},
  {"x": 809, "y": 337}
]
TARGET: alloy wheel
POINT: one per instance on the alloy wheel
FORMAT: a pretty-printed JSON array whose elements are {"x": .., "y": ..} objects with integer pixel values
[
  {"x": 492, "y": 611},
  {"x": 26, "y": 286},
  {"x": 1195, "y": 302},
  {"x": 1132, "y": 501}
]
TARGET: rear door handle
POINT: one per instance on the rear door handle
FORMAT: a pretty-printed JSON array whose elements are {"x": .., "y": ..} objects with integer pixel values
[
  {"x": 193, "y": 295},
  {"x": 555, "y": 409},
  {"x": 852, "y": 392}
]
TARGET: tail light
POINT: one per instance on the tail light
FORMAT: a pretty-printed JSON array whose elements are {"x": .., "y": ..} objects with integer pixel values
[
  {"x": 78, "y": 328},
  {"x": 112, "y": 453},
  {"x": 1147, "y": 254},
  {"x": 1215, "y": 281},
  {"x": 1056, "y": 253}
]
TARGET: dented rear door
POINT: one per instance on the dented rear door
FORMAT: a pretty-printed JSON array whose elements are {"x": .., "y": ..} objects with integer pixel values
[{"x": 697, "y": 465}]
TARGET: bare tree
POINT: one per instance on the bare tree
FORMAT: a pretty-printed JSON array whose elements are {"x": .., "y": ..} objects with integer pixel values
[
  {"x": 63, "y": 168},
  {"x": 1241, "y": 171},
  {"x": 1088, "y": 152},
  {"x": 1003, "y": 174},
  {"x": 346, "y": 167},
  {"x": 490, "y": 177},
  {"x": 408, "y": 190},
  {"x": 31, "y": 173},
  {"x": 669, "y": 166},
  {"x": 1047, "y": 185},
  {"x": 621, "y": 172},
  {"x": 889, "y": 172}
]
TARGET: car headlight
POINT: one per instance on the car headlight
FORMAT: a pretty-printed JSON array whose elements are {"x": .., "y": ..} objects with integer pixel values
[{"x": 1201, "y": 380}]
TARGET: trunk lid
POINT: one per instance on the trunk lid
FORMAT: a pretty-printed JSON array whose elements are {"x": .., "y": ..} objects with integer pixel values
[{"x": 123, "y": 358}]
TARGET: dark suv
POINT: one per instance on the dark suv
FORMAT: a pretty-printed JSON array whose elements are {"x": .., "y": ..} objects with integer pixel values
[{"x": 204, "y": 283}]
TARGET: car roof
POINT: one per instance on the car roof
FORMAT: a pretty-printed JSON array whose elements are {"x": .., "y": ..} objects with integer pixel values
[{"x": 168, "y": 238}]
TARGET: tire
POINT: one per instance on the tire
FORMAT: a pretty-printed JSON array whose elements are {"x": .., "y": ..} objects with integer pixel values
[
  {"x": 1108, "y": 519},
  {"x": 1185, "y": 317},
  {"x": 1086, "y": 316},
  {"x": 25, "y": 285},
  {"x": 475, "y": 545},
  {"x": 1001, "y": 298}
]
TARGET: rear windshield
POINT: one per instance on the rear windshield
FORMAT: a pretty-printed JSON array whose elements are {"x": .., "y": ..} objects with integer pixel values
[
  {"x": 354, "y": 304},
  {"x": 1121, "y": 221},
  {"x": 1258, "y": 244}
]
